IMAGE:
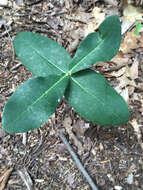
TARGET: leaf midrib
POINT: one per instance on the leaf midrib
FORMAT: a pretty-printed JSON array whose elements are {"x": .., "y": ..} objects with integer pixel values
[
  {"x": 54, "y": 65},
  {"x": 90, "y": 93},
  {"x": 38, "y": 99},
  {"x": 100, "y": 43}
]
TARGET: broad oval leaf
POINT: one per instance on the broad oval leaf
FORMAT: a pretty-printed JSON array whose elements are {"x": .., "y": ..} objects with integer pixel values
[
  {"x": 98, "y": 46},
  {"x": 33, "y": 103},
  {"x": 90, "y": 94},
  {"x": 41, "y": 55}
]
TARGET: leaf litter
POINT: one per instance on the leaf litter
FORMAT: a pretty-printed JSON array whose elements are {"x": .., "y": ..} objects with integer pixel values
[{"x": 51, "y": 168}]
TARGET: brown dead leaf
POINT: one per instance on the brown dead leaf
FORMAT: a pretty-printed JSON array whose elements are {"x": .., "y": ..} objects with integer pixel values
[
  {"x": 141, "y": 40},
  {"x": 81, "y": 16},
  {"x": 101, "y": 64},
  {"x": 133, "y": 70},
  {"x": 79, "y": 128},
  {"x": 125, "y": 94},
  {"x": 118, "y": 73},
  {"x": 87, "y": 144},
  {"x": 130, "y": 42},
  {"x": 67, "y": 124},
  {"x": 119, "y": 59},
  {"x": 98, "y": 18},
  {"x": 137, "y": 129},
  {"x": 125, "y": 82},
  {"x": 138, "y": 97},
  {"x": 101, "y": 148},
  {"x": 132, "y": 13}
]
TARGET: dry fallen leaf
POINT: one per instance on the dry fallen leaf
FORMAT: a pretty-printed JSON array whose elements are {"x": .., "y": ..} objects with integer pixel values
[
  {"x": 125, "y": 94},
  {"x": 118, "y": 73},
  {"x": 101, "y": 148},
  {"x": 67, "y": 124},
  {"x": 132, "y": 13},
  {"x": 98, "y": 18},
  {"x": 79, "y": 128},
  {"x": 138, "y": 97},
  {"x": 137, "y": 129},
  {"x": 120, "y": 59},
  {"x": 134, "y": 69},
  {"x": 125, "y": 82},
  {"x": 130, "y": 42}
]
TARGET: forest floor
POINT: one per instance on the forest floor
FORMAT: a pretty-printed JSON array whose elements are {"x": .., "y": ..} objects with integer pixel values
[{"x": 113, "y": 156}]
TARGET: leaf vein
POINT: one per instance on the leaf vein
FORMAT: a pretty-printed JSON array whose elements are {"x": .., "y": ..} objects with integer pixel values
[
  {"x": 91, "y": 94},
  {"x": 100, "y": 43},
  {"x": 54, "y": 65},
  {"x": 38, "y": 99}
]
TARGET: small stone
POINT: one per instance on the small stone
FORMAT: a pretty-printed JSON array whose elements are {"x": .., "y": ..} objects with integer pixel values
[
  {"x": 117, "y": 187},
  {"x": 130, "y": 178}
]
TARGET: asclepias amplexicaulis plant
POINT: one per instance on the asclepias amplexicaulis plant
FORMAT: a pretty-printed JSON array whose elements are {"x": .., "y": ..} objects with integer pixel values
[{"x": 58, "y": 75}]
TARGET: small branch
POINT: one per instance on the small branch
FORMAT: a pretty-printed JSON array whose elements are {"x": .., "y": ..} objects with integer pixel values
[
  {"x": 5, "y": 178},
  {"x": 24, "y": 140},
  {"x": 15, "y": 66},
  {"x": 127, "y": 151},
  {"x": 26, "y": 178},
  {"x": 6, "y": 6},
  {"x": 77, "y": 161},
  {"x": 34, "y": 3}
]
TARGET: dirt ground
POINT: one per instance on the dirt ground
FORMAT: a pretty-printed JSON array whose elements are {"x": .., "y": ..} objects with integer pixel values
[{"x": 113, "y": 156}]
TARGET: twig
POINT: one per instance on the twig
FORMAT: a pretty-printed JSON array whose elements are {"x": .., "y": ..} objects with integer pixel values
[
  {"x": 26, "y": 178},
  {"x": 127, "y": 151},
  {"x": 5, "y": 178},
  {"x": 15, "y": 66},
  {"x": 77, "y": 161},
  {"x": 39, "y": 144},
  {"x": 5, "y": 6},
  {"x": 34, "y": 3},
  {"x": 112, "y": 2},
  {"x": 24, "y": 139}
]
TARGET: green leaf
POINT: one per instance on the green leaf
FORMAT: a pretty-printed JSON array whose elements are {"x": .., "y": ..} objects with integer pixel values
[
  {"x": 33, "y": 103},
  {"x": 138, "y": 28},
  {"x": 138, "y": 25},
  {"x": 90, "y": 94},
  {"x": 41, "y": 55},
  {"x": 136, "y": 32},
  {"x": 98, "y": 46}
]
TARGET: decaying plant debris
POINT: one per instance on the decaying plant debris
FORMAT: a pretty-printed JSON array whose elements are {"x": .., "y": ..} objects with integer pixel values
[{"x": 113, "y": 155}]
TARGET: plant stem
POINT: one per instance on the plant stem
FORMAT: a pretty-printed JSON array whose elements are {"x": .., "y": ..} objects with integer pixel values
[{"x": 77, "y": 161}]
